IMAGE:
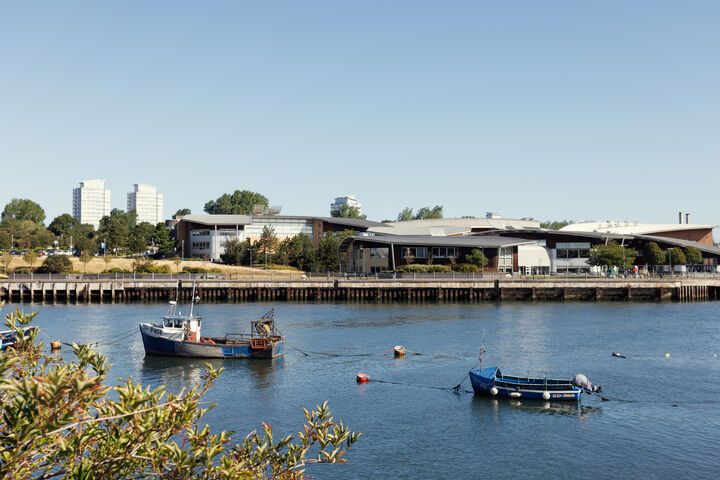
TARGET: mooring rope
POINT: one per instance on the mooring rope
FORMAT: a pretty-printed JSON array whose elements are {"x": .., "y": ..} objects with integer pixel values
[{"x": 456, "y": 388}]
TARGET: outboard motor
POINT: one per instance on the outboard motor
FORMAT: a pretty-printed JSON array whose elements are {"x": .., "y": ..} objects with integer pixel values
[{"x": 583, "y": 382}]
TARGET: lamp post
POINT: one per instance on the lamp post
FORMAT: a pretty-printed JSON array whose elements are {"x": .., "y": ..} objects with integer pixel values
[{"x": 670, "y": 259}]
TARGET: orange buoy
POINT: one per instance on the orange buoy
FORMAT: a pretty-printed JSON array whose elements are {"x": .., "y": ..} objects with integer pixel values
[
  {"x": 55, "y": 345},
  {"x": 362, "y": 378},
  {"x": 399, "y": 351}
]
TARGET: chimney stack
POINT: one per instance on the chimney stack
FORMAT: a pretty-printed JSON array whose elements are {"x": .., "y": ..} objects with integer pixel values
[
  {"x": 679, "y": 217},
  {"x": 687, "y": 218}
]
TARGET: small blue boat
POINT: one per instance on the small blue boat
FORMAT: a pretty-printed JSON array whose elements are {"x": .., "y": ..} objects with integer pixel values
[
  {"x": 491, "y": 381},
  {"x": 9, "y": 337}
]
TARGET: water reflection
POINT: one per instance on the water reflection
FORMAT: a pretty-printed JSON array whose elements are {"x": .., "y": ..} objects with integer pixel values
[
  {"x": 177, "y": 373},
  {"x": 502, "y": 405}
]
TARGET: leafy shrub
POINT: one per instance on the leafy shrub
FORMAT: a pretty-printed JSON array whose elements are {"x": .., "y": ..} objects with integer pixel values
[
  {"x": 421, "y": 268},
  {"x": 275, "y": 266},
  {"x": 117, "y": 270},
  {"x": 466, "y": 268},
  {"x": 57, "y": 264},
  {"x": 56, "y": 412},
  {"x": 142, "y": 265},
  {"x": 158, "y": 269},
  {"x": 200, "y": 270}
]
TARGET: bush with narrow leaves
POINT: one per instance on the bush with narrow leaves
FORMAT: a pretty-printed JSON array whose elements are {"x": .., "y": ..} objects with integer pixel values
[{"x": 60, "y": 420}]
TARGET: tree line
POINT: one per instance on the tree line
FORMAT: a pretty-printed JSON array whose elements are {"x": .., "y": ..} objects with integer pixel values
[
  {"x": 297, "y": 251},
  {"x": 616, "y": 255},
  {"x": 22, "y": 226}
]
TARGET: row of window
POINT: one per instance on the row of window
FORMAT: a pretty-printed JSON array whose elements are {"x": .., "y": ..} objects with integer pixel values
[
  {"x": 573, "y": 253},
  {"x": 201, "y": 245},
  {"x": 422, "y": 252}
]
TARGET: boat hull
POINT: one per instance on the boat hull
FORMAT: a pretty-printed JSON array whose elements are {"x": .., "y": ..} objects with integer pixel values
[
  {"x": 157, "y": 345},
  {"x": 490, "y": 386}
]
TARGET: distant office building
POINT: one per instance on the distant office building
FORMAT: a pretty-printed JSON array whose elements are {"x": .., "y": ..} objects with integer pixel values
[
  {"x": 91, "y": 202},
  {"x": 147, "y": 203},
  {"x": 349, "y": 200},
  {"x": 204, "y": 235}
]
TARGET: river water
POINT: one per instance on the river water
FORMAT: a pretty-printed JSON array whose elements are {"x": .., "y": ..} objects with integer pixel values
[{"x": 663, "y": 419}]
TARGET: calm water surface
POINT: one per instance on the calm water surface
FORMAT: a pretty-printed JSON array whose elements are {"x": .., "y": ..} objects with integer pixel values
[{"x": 663, "y": 421}]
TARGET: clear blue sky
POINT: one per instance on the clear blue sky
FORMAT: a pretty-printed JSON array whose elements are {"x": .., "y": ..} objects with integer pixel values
[{"x": 580, "y": 110}]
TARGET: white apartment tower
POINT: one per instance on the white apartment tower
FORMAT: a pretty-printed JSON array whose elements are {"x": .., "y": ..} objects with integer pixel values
[
  {"x": 147, "y": 203},
  {"x": 349, "y": 200},
  {"x": 91, "y": 202}
]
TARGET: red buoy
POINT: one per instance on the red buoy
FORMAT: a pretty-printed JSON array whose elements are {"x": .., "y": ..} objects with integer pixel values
[{"x": 362, "y": 378}]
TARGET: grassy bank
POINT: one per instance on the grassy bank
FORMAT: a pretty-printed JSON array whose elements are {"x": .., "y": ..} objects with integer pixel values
[{"x": 99, "y": 265}]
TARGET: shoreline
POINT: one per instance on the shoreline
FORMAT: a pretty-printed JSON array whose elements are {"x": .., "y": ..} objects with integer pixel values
[{"x": 63, "y": 290}]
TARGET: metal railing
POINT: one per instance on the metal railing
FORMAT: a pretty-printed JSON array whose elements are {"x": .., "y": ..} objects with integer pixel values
[{"x": 271, "y": 276}]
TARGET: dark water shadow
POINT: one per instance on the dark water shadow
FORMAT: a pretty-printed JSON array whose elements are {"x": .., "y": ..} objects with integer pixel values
[{"x": 538, "y": 407}]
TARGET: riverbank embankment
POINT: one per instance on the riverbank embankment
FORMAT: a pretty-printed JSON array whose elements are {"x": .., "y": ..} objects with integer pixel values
[{"x": 102, "y": 290}]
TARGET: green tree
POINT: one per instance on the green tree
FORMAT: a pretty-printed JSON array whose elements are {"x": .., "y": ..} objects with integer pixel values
[
  {"x": 328, "y": 258},
  {"x": 693, "y": 256},
  {"x": 555, "y": 224},
  {"x": 23, "y": 209},
  {"x": 347, "y": 211},
  {"x": 240, "y": 202},
  {"x": 84, "y": 238},
  {"x": 302, "y": 252},
  {"x": 6, "y": 259},
  {"x": 60, "y": 419},
  {"x": 108, "y": 260},
  {"x": 406, "y": 214},
  {"x": 654, "y": 255},
  {"x": 58, "y": 264},
  {"x": 282, "y": 252},
  {"x": 426, "y": 213},
  {"x": 64, "y": 225},
  {"x": 140, "y": 237},
  {"x": 115, "y": 229},
  {"x": 676, "y": 256},
  {"x": 28, "y": 234},
  {"x": 163, "y": 241},
  {"x": 266, "y": 244},
  {"x": 182, "y": 212},
  {"x": 612, "y": 254},
  {"x": 5, "y": 239},
  {"x": 143, "y": 265},
  {"x": 85, "y": 258},
  {"x": 476, "y": 257},
  {"x": 237, "y": 252},
  {"x": 31, "y": 258}
]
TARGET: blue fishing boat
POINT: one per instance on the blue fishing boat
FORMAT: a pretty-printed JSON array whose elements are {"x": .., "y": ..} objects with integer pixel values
[
  {"x": 178, "y": 335},
  {"x": 9, "y": 337},
  {"x": 491, "y": 381}
]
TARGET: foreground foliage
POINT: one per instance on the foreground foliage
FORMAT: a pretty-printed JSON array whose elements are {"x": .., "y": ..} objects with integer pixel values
[{"x": 59, "y": 420}]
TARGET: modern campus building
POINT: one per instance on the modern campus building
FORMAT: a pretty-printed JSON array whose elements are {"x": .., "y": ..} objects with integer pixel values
[
  {"x": 204, "y": 236},
  {"x": 91, "y": 202},
  {"x": 147, "y": 203},
  {"x": 512, "y": 249},
  {"x": 378, "y": 253},
  {"x": 349, "y": 200}
]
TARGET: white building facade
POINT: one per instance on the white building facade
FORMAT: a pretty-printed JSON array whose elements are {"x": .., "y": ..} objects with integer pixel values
[
  {"x": 147, "y": 203},
  {"x": 91, "y": 202},
  {"x": 349, "y": 200}
]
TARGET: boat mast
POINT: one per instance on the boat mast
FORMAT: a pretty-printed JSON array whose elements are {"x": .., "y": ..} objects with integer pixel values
[
  {"x": 192, "y": 299},
  {"x": 482, "y": 350}
]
